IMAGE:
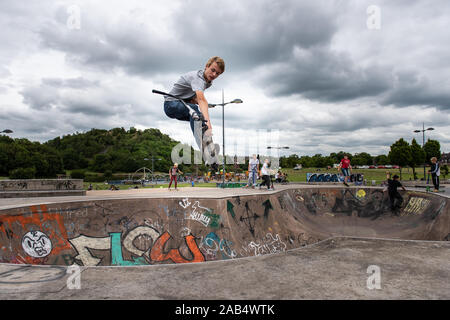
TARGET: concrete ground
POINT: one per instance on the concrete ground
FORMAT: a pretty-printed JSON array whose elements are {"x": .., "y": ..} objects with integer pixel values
[
  {"x": 335, "y": 268},
  {"x": 332, "y": 269}
]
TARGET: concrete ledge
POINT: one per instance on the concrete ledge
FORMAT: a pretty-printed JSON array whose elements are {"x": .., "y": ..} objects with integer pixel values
[
  {"x": 47, "y": 193},
  {"x": 41, "y": 184}
]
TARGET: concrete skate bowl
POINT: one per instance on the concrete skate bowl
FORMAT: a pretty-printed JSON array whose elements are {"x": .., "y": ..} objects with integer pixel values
[{"x": 149, "y": 231}]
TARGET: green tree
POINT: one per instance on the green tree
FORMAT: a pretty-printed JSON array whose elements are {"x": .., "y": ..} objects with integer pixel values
[
  {"x": 400, "y": 154},
  {"x": 381, "y": 160},
  {"x": 432, "y": 149},
  {"x": 23, "y": 173},
  {"x": 444, "y": 171},
  {"x": 362, "y": 159}
]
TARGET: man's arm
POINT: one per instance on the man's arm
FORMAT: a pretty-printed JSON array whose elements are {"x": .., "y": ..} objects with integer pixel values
[
  {"x": 400, "y": 185},
  {"x": 203, "y": 104}
]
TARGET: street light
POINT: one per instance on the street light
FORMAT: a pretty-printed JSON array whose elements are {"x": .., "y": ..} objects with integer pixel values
[
  {"x": 423, "y": 144},
  {"x": 153, "y": 165},
  {"x": 7, "y": 131},
  {"x": 223, "y": 128},
  {"x": 278, "y": 148}
]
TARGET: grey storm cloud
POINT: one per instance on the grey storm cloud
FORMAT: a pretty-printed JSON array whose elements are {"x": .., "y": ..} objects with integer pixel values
[
  {"x": 323, "y": 75},
  {"x": 412, "y": 88},
  {"x": 75, "y": 83},
  {"x": 41, "y": 97},
  {"x": 283, "y": 47},
  {"x": 367, "y": 86},
  {"x": 48, "y": 94},
  {"x": 244, "y": 40},
  {"x": 126, "y": 45}
]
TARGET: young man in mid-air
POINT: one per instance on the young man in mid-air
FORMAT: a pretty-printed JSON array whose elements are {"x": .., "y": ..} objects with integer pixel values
[{"x": 190, "y": 87}]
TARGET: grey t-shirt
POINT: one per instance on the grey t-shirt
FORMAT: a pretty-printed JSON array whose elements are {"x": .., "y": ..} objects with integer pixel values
[
  {"x": 188, "y": 83},
  {"x": 253, "y": 164}
]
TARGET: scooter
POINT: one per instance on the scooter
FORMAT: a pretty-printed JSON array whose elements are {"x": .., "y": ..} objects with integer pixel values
[{"x": 212, "y": 149}]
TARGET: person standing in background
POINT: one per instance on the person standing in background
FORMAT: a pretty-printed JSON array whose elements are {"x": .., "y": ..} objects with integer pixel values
[
  {"x": 173, "y": 172},
  {"x": 435, "y": 173},
  {"x": 345, "y": 167}
]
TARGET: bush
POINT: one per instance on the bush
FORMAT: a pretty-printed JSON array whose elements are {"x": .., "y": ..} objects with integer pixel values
[
  {"x": 78, "y": 174},
  {"x": 108, "y": 174},
  {"x": 23, "y": 173},
  {"x": 94, "y": 178}
]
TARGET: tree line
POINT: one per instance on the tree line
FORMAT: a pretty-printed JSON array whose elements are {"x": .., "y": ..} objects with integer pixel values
[
  {"x": 119, "y": 150},
  {"x": 401, "y": 153}
]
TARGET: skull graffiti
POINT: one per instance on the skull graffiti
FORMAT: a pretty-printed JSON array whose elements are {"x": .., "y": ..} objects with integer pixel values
[{"x": 36, "y": 244}]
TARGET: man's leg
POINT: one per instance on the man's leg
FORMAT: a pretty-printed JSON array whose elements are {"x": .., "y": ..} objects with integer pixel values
[
  {"x": 435, "y": 179},
  {"x": 345, "y": 173},
  {"x": 178, "y": 110},
  {"x": 250, "y": 178},
  {"x": 399, "y": 201},
  {"x": 392, "y": 201},
  {"x": 265, "y": 181}
]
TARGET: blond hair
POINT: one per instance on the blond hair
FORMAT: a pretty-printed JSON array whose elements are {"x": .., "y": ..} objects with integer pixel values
[{"x": 218, "y": 60}]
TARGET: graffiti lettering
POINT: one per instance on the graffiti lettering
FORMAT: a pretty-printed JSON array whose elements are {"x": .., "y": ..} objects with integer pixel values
[
  {"x": 269, "y": 244},
  {"x": 416, "y": 205},
  {"x": 157, "y": 252},
  {"x": 82, "y": 245}
]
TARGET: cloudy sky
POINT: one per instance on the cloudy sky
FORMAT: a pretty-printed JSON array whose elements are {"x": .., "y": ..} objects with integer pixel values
[{"x": 324, "y": 76}]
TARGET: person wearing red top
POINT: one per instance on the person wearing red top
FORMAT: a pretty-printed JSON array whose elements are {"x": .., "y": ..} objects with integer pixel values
[
  {"x": 173, "y": 172},
  {"x": 345, "y": 167}
]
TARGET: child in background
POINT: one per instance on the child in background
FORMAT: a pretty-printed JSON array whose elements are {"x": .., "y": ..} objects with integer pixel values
[
  {"x": 394, "y": 196},
  {"x": 266, "y": 176},
  {"x": 253, "y": 168},
  {"x": 173, "y": 172},
  {"x": 435, "y": 173}
]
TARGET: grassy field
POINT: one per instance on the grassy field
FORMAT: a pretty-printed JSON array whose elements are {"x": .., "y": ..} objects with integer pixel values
[
  {"x": 379, "y": 175},
  {"x": 103, "y": 186}
]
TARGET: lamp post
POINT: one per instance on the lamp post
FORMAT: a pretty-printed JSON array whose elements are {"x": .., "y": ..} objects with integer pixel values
[
  {"x": 223, "y": 128},
  {"x": 153, "y": 165},
  {"x": 7, "y": 131},
  {"x": 278, "y": 148},
  {"x": 423, "y": 143},
  {"x": 269, "y": 147}
]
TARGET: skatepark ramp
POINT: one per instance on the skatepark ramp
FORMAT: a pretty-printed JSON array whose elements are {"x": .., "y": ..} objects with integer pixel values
[{"x": 148, "y": 231}]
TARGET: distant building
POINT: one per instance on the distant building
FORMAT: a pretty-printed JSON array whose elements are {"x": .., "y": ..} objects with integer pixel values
[{"x": 445, "y": 158}]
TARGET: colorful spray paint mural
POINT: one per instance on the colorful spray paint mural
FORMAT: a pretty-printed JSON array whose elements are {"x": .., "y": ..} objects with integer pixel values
[{"x": 131, "y": 232}]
